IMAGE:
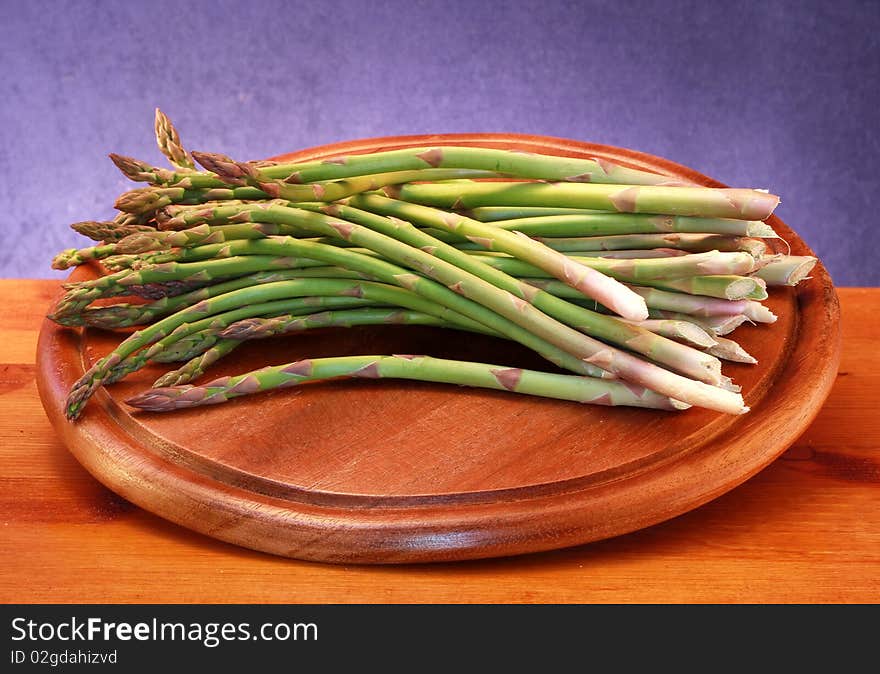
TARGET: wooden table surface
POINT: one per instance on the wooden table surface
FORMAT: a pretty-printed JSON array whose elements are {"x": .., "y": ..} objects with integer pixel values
[{"x": 804, "y": 530}]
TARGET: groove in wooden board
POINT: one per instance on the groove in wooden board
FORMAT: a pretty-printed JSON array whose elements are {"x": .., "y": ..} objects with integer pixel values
[{"x": 458, "y": 473}]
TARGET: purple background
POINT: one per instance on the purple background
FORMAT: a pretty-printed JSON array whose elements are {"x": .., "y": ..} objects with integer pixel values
[{"x": 780, "y": 95}]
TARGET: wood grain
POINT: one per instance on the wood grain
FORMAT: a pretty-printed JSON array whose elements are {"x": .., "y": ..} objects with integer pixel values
[{"x": 804, "y": 530}]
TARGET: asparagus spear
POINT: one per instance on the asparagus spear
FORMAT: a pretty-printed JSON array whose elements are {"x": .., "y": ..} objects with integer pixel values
[
  {"x": 422, "y": 368},
  {"x": 260, "y": 328},
  {"x": 634, "y": 270},
  {"x": 693, "y": 243},
  {"x": 238, "y": 173},
  {"x": 730, "y": 350},
  {"x": 497, "y": 213},
  {"x": 603, "y": 223},
  {"x": 108, "y": 232},
  {"x": 73, "y": 257},
  {"x": 714, "y": 325},
  {"x": 144, "y": 201},
  {"x": 705, "y": 306},
  {"x": 169, "y": 142},
  {"x": 191, "y": 337},
  {"x": 739, "y": 204},
  {"x": 195, "y": 368},
  {"x": 684, "y": 331},
  {"x": 722, "y": 286},
  {"x": 787, "y": 270},
  {"x": 520, "y": 164}
]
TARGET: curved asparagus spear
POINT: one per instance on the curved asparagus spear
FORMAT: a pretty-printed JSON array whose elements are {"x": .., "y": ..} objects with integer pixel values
[
  {"x": 192, "y": 337},
  {"x": 739, "y": 204},
  {"x": 260, "y": 328},
  {"x": 125, "y": 315},
  {"x": 422, "y": 368}
]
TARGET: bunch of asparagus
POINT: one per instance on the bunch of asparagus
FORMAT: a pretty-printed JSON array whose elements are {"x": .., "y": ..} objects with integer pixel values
[{"x": 623, "y": 278}]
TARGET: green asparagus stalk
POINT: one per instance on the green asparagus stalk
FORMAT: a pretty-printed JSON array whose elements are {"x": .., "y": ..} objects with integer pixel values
[
  {"x": 728, "y": 349},
  {"x": 169, "y": 142},
  {"x": 739, "y": 204},
  {"x": 682, "y": 303},
  {"x": 704, "y": 306},
  {"x": 634, "y": 270},
  {"x": 187, "y": 348},
  {"x": 692, "y": 243},
  {"x": 107, "y": 232},
  {"x": 421, "y": 368},
  {"x": 787, "y": 270},
  {"x": 195, "y": 368},
  {"x": 682, "y": 331},
  {"x": 499, "y": 213},
  {"x": 624, "y": 254},
  {"x": 603, "y": 223},
  {"x": 260, "y": 328},
  {"x": 121, "y": 283},
  {"x": 725, "y": 287},
  {"x": 195, "y": 336},
  {"x": 73, "y": 257},
  {"x": 144, "y": 201},
  {"x": 520, "y": 164},
  {"x": 126, "y": 315},
  {"x": 523, "y": 165},
  {"x": 242, "y": 173},
  {"x": 718, "y": 326}
]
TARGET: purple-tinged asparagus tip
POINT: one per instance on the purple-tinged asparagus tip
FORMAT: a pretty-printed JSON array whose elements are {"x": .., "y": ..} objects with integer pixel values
[{"x": 227, "y": 169}]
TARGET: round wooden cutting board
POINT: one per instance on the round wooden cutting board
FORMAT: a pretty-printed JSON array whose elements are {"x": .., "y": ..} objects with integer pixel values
[{"x": 395, "y": 471}]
